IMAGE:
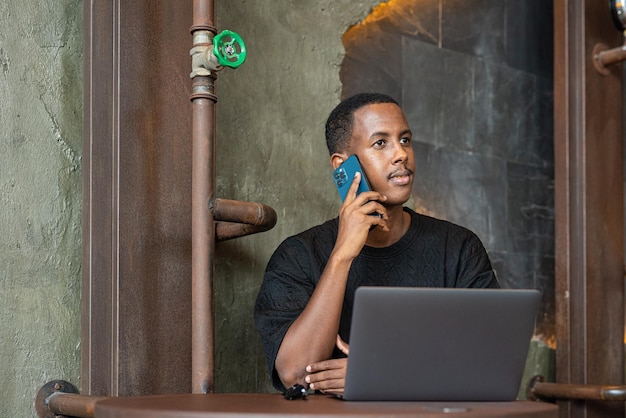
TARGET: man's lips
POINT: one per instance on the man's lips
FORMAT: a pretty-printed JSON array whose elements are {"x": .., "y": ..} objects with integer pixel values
[{"x": 401, "y": 177}]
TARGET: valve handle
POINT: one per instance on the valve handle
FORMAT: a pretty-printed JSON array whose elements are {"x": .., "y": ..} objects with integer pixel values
[{"x": 229, "y": 49}]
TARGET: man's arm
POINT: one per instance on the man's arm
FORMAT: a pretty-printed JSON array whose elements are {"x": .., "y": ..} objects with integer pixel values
[{"x": 312, "y": 336}]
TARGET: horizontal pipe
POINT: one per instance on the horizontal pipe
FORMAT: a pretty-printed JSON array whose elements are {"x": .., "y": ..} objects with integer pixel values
[
  {"x": 73, "y": 405},
  {"x": 603, "y": 57},
  {"x": 543, "y": 390},
  {"x": 236, "y": 219},
  {"x": 229, "y": 230},
  {"x": 611, "y": 56}
]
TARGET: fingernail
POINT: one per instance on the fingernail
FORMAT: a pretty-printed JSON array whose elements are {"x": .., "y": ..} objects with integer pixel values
[
  {"x": 307, "y": 379},
  {"x": 308, "y": 369}
]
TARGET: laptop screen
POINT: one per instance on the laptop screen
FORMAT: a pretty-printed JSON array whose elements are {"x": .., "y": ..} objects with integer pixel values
[{"x": 434, "y": 344}]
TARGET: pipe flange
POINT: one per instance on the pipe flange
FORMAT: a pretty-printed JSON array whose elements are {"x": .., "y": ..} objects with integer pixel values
[
  {"x": 41, "y": 400},
  {"x": 530, "y": 393},
  {"x": 598, "y": 49},
  {"x": 203, "y": 27}
]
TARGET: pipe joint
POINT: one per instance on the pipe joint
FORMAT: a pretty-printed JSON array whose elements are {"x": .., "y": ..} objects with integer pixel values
[
  {"x": 203, "y": 60},
  {"x": 203, "y": 88},
  {"x": 603, "y": 57},
  {"x": 59, "y": 398}
]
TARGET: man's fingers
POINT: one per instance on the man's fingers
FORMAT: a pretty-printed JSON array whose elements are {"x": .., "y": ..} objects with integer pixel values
[
  {"x": 325, "y": 365},
  {"x": 343, "y": 346},
  {"x": 354, "y": 186},
  {"x": 326, "y": 380},
  {"x": 329, "y": 386},
  {"x": 327, "y": 375}
]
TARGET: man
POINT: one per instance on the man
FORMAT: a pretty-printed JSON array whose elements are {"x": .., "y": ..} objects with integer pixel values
[{"x": 304, "y": 306}]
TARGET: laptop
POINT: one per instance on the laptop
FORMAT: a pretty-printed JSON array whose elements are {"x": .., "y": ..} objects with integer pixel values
[{"x": 439, "y": 344}]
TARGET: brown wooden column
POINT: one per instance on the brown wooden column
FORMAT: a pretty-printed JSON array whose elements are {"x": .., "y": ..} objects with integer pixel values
[
  {"x": 589, "y": 206},
  {"x": 136, "y": 295}
]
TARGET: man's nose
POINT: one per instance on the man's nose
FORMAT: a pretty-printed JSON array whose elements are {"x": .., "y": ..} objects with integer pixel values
[{"x": 400, "y": 155}]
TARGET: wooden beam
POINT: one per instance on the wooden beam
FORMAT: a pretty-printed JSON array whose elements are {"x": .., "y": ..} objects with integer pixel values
[
  {"x": 589, "y": 206},
  {"x": 136, "y": 329}
]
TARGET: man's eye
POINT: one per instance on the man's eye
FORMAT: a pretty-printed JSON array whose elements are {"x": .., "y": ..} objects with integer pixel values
[
  {"x": 405, "y": 140},
  {"x": 379, "y": 143}
]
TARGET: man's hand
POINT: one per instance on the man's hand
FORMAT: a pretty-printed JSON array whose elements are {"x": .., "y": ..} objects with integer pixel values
[
  {"x": 329, "y": 376},
  {"x": 356, "y": 220}
]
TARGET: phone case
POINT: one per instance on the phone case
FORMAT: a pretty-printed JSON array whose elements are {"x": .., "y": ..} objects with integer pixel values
[{"x": 344, "y": 174}]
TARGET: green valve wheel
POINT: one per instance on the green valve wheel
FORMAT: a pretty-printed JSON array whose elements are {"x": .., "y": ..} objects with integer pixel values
[{"x": 229, "y": 49}]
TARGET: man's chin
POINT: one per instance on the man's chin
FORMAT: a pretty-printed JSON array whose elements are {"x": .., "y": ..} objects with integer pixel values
[{"x": 396, "y": 200}]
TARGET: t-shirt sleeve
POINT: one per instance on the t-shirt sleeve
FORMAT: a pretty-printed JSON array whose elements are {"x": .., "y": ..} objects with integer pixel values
[
  {"x": 286, "y": 289},
  {"x": 474, "y": 268}
]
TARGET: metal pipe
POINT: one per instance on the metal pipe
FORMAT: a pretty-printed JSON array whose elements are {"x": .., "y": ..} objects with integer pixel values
[
  {"x": 603, "y": 57},
  {"x": 611, "y": 56},
  {"x": 60, "y": 398},
  {"x": 203, "y": 16},
  {"x": 237, "y": 219},
  {"x": 229, "y": 230},
  {"x": 203, "y": 226},
  {"x": 203, "y": 240},
  {"x": 539, "y": 390},
  {"x": 73, "y": 405}
]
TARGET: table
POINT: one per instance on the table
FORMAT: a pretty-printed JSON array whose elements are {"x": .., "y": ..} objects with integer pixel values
[{"x": 221, "y": 405}]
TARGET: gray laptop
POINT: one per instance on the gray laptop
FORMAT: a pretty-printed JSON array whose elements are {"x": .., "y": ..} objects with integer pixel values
[{"x": 439, "y": 344}]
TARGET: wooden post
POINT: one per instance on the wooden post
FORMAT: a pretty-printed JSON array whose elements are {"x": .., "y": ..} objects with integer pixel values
[{"x": 589, "y": 206}]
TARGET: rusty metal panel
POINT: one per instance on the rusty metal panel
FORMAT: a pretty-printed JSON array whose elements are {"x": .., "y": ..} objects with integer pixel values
[
  {"x": 589, "y": 206},
  {"x": 136, "y": 331}
]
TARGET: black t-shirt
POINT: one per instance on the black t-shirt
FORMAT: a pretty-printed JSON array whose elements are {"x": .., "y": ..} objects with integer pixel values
[{"x": 433, "y": 253}]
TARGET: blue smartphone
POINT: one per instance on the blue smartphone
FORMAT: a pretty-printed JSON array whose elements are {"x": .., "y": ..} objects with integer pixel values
[{"x": 344, "y": 174}]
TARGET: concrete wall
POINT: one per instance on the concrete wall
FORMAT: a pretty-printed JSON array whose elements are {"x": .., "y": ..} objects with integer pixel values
[
  {"x": 40, "y": 198},
  {"x": 270, "y": 148},
  {"x": 271, "y": 113}
]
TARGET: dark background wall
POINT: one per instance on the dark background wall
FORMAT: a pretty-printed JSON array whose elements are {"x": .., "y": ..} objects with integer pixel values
[{"x": 475, "y": 80}]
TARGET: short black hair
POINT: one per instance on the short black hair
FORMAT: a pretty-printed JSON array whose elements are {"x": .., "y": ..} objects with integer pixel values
[{"x": 341, "y": 120}]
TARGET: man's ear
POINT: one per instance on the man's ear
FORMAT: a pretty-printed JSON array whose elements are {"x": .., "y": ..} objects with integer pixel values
[{"x": 337, "y": 159}]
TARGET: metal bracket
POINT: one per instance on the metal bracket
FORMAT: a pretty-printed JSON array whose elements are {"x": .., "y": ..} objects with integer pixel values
[
  {"x": 42, "y": 400},
  {"x": 603, "y": 56}
]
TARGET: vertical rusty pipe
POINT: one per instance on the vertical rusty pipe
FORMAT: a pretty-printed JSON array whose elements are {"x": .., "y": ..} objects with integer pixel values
[
  {"x": 203, "y": 15},
  {"x": 203, "y": 226}
]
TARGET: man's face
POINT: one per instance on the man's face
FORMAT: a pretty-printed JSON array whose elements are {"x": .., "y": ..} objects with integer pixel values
[{"x": 381, "y": 138}]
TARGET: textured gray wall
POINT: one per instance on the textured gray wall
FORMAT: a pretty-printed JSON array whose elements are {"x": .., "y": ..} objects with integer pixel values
[
  {"x": 475, "y": 80},
  {"x": 40, "y": 198},
  {"x": 271, "y": 114}
]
